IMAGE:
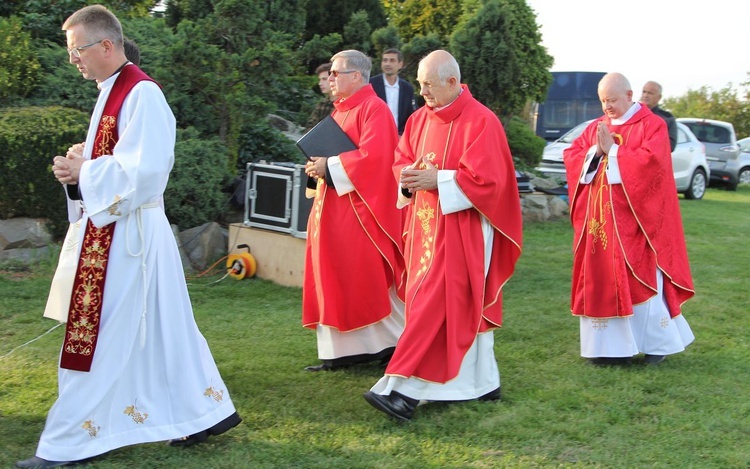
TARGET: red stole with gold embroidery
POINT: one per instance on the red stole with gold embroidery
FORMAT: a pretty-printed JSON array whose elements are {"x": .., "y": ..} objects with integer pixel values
[{"x": 82, "y": 329}]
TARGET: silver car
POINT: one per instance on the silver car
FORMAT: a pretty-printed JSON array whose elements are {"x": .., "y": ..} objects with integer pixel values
[
  {"x": 722, "y": 151},
  {"x": 689, "y": 164}
]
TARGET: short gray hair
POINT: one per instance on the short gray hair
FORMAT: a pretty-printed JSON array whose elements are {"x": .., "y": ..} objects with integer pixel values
[
  {"x": 355, "y": 60},
  {"x": 98, "y": 22}
]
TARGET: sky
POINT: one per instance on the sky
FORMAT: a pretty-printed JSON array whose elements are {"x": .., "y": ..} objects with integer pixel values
[{"x": 681, "y": 45}]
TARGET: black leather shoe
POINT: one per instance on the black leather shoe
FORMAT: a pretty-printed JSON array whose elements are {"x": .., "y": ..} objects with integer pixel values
[
  {"x": 493, "y": 395},
  {"x": 654, "y": 359},
  {"x": 610, "y": 361},
  {"x": 221, "y": 427},
  {"x": 395, "y": 405},
  {"x": 39, "y": 463}
]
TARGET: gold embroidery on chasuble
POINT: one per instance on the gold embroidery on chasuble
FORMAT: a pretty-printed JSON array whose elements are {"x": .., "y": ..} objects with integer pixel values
[
  {"x": 317, "y": 208},
  {"x": 425, "y": 214},
  {"x": 600, "y": 209},
  {"x": 429, "y": 157},
  {"x": 428, "y": 204}
]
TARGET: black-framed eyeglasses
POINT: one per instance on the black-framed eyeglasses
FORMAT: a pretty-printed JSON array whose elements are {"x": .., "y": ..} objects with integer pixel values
[
  {"x": 336, "y": 73},
  {"x": 76, "y": 51}
]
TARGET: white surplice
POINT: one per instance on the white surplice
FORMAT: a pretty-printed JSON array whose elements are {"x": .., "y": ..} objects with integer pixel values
[
  {"x": 650, "y": 330},
  {"x": 153, "y": 377}
]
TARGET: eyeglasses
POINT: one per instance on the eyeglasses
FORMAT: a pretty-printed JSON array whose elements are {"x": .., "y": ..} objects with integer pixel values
[
  {"x": 76, "y": 51},
  {"x": 336, "y": 73}
]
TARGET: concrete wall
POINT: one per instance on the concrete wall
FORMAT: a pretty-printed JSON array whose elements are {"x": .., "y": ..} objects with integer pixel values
[{"x": 280, "y": 257}]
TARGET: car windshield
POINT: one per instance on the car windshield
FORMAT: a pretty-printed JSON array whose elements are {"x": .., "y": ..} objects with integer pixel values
[{"x": 573, "y": 133}]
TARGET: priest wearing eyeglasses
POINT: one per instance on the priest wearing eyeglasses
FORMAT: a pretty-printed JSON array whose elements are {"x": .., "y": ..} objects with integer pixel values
[
  {"x": 134, "y": 368},
  {"x": 353, "y": 283}
]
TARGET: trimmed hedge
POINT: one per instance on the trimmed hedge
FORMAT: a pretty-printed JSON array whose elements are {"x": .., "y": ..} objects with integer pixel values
[
  {"x": 194, "y": 194},
  {"x": 30, "y": 138},
  {"x": 525, "y": 146}
]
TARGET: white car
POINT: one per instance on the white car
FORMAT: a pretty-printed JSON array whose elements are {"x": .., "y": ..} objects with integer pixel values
[
  {"x": 689, "y": 164},
  {"x": 744, "y": 174}
]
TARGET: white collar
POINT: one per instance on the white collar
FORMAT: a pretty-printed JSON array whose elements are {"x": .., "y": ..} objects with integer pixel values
[
  {"x": 385, "y": 82},
  {"x": 628, "y": 114}
]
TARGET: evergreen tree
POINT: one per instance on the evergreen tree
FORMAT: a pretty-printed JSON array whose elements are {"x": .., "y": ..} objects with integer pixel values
[
  {"x": 330, "y": 16},
  {"x": 501, "y": 58},
  {"x": 357, "y": 32},
  {"x": 424, "y": 17},
  {"x": 19, "y": 70}
]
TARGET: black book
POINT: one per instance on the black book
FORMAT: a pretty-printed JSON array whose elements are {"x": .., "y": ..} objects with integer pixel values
[{"x": 327, "y": 138}]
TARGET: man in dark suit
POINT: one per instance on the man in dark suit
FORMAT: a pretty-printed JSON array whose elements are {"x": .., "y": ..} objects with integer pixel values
[
  {"x": 650, "y": 97},
  {"x": 397, "y": 92}
]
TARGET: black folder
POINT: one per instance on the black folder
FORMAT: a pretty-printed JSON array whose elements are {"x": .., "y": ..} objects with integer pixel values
[{"x": 327, "y": 138}]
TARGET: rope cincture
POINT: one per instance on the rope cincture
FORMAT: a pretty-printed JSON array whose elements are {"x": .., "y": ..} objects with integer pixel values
[
  {"x": 32, "y": 340},
  {"x": 142, "y": 255}
]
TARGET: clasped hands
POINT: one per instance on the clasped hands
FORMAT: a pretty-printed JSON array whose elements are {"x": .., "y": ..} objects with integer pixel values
[
  {"x": 67, "y": 168},
  {"x": 604, "y": 139},
  {"x": 413, "y": 179},
  {"x": 316, "y": 167}
]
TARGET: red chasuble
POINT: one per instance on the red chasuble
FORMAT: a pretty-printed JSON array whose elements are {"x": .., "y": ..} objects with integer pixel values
[
  {"x": 82, "y": 328},
  {"x": 354, "y": 250},
  {"x": 448, "y": 298},
  {"x": 624, "y": 232}
]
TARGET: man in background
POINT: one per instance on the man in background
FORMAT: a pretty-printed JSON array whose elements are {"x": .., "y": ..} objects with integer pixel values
[
  {"x": 396, "y": 92},
  {"x": 651, "y": 96},
  {"x": 132, "y": 51},
  {"x": 324, "y": 106}
]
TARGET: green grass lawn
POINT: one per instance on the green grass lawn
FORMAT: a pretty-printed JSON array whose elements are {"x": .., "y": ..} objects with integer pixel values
[{"x": 692, "y": 411}]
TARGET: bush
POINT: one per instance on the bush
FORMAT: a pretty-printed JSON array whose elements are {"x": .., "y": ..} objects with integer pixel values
[
  {"x": 29, "y": 139},
  {"x": 19, "y": 70},
  {"x": 525, "y": 146},
  {"x": 194, "y": 194},
  {"x": 61, "y": 84}
]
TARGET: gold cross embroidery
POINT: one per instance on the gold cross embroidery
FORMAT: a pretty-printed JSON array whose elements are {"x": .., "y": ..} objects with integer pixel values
[{"x": 430, "y": 157}]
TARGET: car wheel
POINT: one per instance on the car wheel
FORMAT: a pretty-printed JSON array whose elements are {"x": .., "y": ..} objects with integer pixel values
[
  {"x": 697, "y": 186},
  {"x": 744, "y": 176}
]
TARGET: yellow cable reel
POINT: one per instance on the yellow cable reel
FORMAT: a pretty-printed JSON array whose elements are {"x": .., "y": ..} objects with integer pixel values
[{"x": 241, "y": 265}]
